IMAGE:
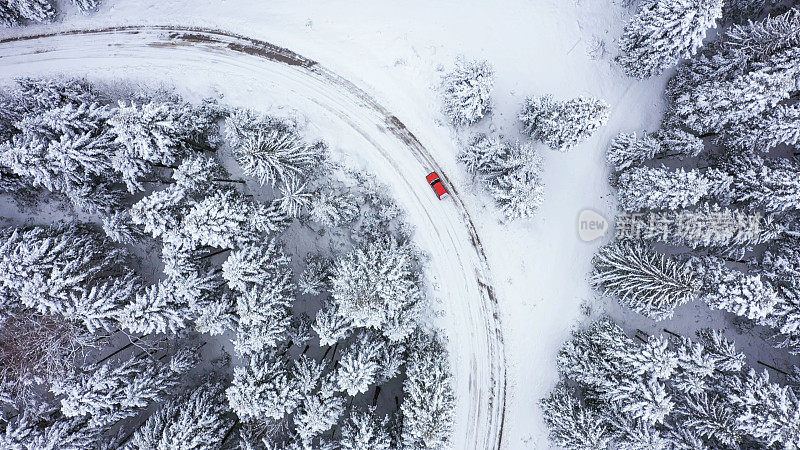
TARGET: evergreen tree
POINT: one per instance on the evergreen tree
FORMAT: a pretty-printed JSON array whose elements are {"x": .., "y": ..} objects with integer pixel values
[
  {"x": 156, "y": 309},
  {"x": 330, "y": 325},
  {"x": 294, "y": 197},
  {"x": 31, "y": 433},
  {"x": 318, "y": 413},
  {"x": 220, "y": 220},
  {"x": 777, "y": 126},
  {"x": 196, "y": 173},
  {"x": 330, "y": 209},
  {"x": 663, "y": 32},
  {"x": 466, "y": 91},
  {"x": 629, "y": 150},
  {"x": 263, "y": 388},
  {"x": 770, "y": 413},
  {"x": 376, "y": 286},
  {"x": 772, "y": 185},
  {"x": 113, "y": 392},
  {"x": 86, "y": 6},
  {"x": 192, "y": 422},
  {"x": 746, "y": 295},
  {"x": 160, "y": 211},
  {"x": 264, "y": 315},
  {"x": 256, "y": 265},
  {"x": 316, "y": 277},
  {"x": 563, "y": 125},
  {"x": 360, "y": 364},
  {"x": 69, "y": 271},
  {"x": 9, "y": 16},
  {"x": 160, "y": 132},
  {"x": 512, "y": 172},
  {"x": 571, "y": 424},
  {"x": 660, "y": 188},
  {"x": 363, "y": 430},
  {"x": 648, "y": 282},
  {"x": 269, "y": 150},
  {"x": 428, "y": 406},
  {"x": 44, "y": 93},
  {"x": 717, "y": 103},
  {"x": 35, "y": 10}
]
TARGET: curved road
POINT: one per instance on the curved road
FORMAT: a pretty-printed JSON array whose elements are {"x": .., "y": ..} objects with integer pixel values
[{"x": 444, "y": 229}]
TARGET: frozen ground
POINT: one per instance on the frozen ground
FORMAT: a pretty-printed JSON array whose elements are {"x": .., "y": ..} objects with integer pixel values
[{"x": 394, "y": 51}]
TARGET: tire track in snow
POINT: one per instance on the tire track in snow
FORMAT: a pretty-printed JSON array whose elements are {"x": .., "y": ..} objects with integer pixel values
[{"x": 487, "y": 391}]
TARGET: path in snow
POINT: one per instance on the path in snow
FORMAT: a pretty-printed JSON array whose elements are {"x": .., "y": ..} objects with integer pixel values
[{"x": 444, "y": 230}]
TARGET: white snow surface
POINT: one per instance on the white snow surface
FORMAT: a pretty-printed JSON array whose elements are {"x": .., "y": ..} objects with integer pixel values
[{"x": 396, "y": 51}]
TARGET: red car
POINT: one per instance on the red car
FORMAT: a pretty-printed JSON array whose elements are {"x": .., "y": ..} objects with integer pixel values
[{"x": 436, "y": 184}]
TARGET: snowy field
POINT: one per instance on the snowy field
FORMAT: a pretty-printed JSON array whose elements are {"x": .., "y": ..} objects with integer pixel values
[{"x": 396, "y": 52}]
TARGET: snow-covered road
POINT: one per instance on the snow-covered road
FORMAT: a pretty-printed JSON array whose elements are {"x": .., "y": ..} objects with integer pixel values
[{"x": 444, "y": 229}]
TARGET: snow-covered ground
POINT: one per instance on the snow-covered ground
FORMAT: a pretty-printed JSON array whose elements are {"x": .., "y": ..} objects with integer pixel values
[{"x": 395, "y": 51}]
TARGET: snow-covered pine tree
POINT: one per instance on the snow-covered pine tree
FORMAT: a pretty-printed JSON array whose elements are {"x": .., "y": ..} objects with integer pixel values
[
  {"x": 156, "y": 309},
  {"x": 331, "y": 209},
  {"x": 196, "y": 173},
  {"x": 86, "y": 6},
  {"x": 746, "y": 295},
  {"x": 428, "y": 406},
  {"x": 49, "y": 433},
  {"x": 467, "y": 90},
  {"x": 220, "y": 220},
  {"x": 269, "y": 150},
  {"x": 661, "y": 188},
  {"x": 158, "y": 132},
  {"x": 663, "y": 32},
  {"x": 363, "y": 430},
  {"x": 70, "y": 164},
  {"x": 571, "y": 424},
  {"x": 360, "y": 364},
  {"x": 115, "y": 391},
  {"x": 9, "y": 16},
  {"x": 376, "y": 286},
  {"x": 48, "y": 93},
  {"x": 650, "y": 283},
  {"x": 563, "y": 125},
  {"x": 742, "y": 11},
  {"x": 769, "y": 412},
  {"x": 628, "y": 387},
  {"x": 330, "y": 325},
  {"x": 717, "y": 103},
  {"x": 41, "y": 11},
  {"x": 160, "y": 211},
  {"x": 628, "y": 150},
  {"x": 69, "y": 271},
  {"x": 769, "y": 184},
  {"x": 264, "y": 388},
  {"x": 512, "y": 173},
  {"x": 677, "y": 142},
  {"x": 318, "y": 412},
  {"x": 518, "y": 194},
  {"x": 264, "y": 313},
  {"x": 256, "y": 265},
  {"x": 315, "y": 278},
  {"x": 195, "y": 421},
  {"x": 777, "y": 126},
  {"x": 294, "y": 197}
]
